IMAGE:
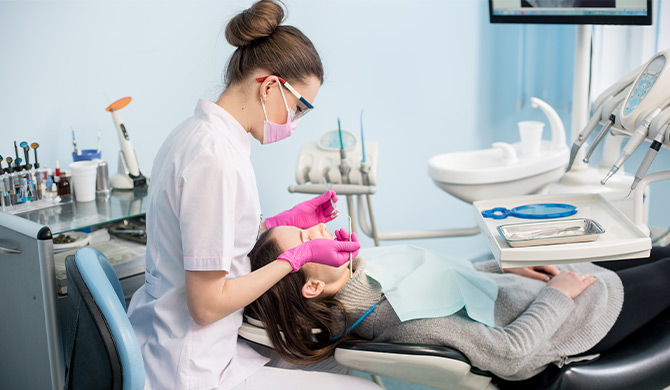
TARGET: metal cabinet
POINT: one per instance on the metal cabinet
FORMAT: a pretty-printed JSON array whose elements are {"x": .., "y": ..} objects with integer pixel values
[{"x": 31, "y": 319}]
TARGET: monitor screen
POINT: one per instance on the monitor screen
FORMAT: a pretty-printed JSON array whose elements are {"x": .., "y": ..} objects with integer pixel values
[{"x": 571, "y": 11}]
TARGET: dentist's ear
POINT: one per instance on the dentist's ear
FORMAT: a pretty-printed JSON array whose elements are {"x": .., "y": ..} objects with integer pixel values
[{"x": 312, "y": 288}]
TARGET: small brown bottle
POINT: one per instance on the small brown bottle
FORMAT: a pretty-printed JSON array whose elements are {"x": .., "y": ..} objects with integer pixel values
[{"x": 64, "y": 189}]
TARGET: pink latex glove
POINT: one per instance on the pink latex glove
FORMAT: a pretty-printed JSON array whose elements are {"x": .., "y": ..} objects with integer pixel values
[
  {"x": 306, "y": 214},
  {"x": 322, "y": 251},
  {"x": 343, "y": 235}
]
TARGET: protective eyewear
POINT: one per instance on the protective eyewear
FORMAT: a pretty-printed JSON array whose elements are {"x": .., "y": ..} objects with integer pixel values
[{"x": 302, "y": 106}]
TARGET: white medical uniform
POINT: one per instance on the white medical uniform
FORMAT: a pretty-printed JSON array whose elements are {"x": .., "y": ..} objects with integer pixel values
[{"x": 204, "y": 214}]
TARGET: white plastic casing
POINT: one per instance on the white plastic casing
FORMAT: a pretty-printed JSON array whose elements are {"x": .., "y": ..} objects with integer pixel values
[{"x": 650, "y": 90}]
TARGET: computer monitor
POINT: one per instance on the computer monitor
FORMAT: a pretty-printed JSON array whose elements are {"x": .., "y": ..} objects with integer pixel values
[{"x": 636, "y": 12}]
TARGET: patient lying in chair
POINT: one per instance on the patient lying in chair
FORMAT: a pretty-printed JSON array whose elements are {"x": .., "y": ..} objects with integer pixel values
[{"x": 533, "y": 318}]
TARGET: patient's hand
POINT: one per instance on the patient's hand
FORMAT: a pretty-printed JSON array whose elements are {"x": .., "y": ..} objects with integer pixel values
[
  {"x": 571, "y": 283},
  {"x": 540, "y": 272}
]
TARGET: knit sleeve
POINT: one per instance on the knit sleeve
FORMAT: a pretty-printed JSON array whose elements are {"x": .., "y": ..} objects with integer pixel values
[
  {"x": 490, "y": 266},
  {"x": 505, "y": 351}
]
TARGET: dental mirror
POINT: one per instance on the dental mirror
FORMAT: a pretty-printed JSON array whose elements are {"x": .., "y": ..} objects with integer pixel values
[{"x": 342, "y": 221}]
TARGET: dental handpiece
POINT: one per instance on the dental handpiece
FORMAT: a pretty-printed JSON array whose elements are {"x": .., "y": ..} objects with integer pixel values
[
  {"x": 584, "y": 134},
  {"x": 638, "y": 136},
  {"x": 600, "y": 137},
  {"x": 649, "y": 157}
]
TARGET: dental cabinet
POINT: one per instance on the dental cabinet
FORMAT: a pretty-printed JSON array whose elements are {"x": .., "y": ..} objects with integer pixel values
[{"x": 34, "y": 305}]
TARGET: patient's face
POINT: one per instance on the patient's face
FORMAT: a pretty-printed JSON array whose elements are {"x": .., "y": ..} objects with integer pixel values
[{"x": 288, "y": 237}]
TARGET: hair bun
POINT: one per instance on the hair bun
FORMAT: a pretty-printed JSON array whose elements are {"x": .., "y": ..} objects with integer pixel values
[{"x": 259, "y": 21}]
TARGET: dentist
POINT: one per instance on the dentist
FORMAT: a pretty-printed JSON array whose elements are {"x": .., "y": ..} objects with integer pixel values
[{"x": 204, "y": 217}]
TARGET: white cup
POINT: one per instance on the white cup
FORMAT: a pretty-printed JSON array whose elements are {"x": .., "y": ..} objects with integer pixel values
[
  {"x": 531, "y": 138},
  {"x": 83, "y": 179}
]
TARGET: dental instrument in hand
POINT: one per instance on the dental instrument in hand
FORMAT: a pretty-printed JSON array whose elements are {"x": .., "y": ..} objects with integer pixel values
[
  {"x": 351, "y": 259},
  {"x": 638, "y": 136},
  {"x": 334, "y": 213}
]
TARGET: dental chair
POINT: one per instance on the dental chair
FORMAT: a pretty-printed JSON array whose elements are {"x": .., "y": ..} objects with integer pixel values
[
  {"x": 101, "y": 349},
  {"x": 642, "y": 361}
]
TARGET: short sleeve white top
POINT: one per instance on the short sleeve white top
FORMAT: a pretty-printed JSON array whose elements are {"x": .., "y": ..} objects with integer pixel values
[{"x": 203, "y": 214}]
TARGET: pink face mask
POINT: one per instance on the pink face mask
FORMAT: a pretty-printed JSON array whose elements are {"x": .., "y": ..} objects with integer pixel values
[{"x": 273, "y": 132}]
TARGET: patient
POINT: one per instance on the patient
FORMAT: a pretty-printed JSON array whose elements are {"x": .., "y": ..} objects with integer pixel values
[{"x": 542, "y": 315}]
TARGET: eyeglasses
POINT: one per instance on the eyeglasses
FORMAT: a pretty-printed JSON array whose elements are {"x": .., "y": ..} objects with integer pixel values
[{"x": 302, "y": 106}]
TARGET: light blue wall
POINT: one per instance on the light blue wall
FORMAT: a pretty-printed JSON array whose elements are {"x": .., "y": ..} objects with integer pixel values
[{"x": 432, "y": 76}]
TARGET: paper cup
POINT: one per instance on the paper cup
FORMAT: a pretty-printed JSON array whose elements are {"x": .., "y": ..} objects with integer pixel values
[
  {"x": 531, "y": 138},
  {"x": 83, "y": 180}
]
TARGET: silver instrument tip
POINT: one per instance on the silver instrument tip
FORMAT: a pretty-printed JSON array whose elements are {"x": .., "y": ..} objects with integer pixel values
[{"x": 609, "y": 174}]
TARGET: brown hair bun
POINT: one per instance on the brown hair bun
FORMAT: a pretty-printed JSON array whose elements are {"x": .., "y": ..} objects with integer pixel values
[{"x": 259, "y": 21}]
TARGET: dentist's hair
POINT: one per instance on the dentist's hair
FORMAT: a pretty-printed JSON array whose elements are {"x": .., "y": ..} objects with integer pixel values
[
  {"x": 264, "y": 43},
  {"x": 289, "y": 318}
]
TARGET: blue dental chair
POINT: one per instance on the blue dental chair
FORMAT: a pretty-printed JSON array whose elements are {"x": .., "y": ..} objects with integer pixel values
[
  {"x": 101, "y": 349},
  {"x": 640, "y": 362}
]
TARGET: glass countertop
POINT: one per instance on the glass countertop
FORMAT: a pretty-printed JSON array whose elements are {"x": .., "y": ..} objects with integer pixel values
[{"x": 62, "y": 218}]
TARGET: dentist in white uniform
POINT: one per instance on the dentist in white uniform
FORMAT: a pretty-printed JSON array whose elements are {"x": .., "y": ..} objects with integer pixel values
[{"x": 204, "y": 217}]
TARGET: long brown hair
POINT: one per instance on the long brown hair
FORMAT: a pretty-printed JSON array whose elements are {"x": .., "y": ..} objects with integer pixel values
[
  {"x": 263, "y": 43},
  {"x": 289, "y": 318}
]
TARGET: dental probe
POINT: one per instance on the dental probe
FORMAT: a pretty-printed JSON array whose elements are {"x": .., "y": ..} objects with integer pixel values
[
  {"x": 638, "y": 136},
  {"x": 334, "y": 213},
  {"x": 649, "y": 157},
  {"x": 584, "y": 134},
  {"x": 351, "y": 256}
]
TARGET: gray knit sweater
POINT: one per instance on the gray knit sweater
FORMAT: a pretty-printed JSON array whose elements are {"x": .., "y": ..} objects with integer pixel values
[{"x": 536, "y": 325}]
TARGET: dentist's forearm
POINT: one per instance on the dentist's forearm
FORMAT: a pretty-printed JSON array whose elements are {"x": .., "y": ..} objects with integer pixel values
[{"x": 210, "y": 297}]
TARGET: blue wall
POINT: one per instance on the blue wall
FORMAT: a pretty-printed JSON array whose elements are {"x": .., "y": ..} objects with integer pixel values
[{"x": 433, "y": 77}]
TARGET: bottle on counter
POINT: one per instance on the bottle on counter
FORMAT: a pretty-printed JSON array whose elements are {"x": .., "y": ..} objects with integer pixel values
[{"x": 63, "y": 188}]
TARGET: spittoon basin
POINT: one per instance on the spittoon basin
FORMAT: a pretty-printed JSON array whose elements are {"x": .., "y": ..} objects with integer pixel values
[{"x": 497, "y": 172}]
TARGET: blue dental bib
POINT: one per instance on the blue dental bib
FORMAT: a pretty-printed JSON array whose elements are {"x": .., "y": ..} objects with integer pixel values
[{"x": 419, "y": 283}]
